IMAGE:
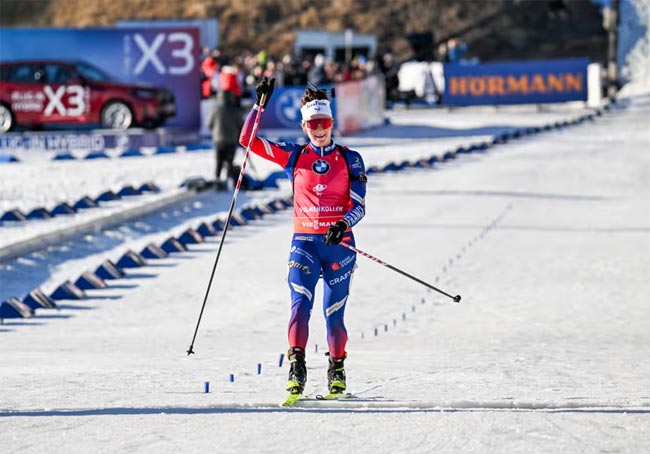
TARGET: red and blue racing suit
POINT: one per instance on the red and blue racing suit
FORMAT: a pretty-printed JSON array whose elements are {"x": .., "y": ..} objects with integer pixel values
[{"x": 329, "y": 185}]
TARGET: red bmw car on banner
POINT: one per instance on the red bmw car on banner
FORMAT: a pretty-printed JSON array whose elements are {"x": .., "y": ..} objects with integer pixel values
[{"x": 36, "y": 93}]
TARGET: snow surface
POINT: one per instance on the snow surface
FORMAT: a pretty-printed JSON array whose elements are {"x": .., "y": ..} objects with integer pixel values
[{"x": 546, "y": 238}]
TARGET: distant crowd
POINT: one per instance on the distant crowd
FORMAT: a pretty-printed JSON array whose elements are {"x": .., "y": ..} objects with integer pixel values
[{"x": 241, "y": 73}]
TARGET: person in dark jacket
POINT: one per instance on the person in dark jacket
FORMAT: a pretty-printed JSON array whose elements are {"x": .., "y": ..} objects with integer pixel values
[{"x": 226, "y": 121}]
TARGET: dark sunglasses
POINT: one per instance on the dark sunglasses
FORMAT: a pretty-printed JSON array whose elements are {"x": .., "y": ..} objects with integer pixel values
[{"x": 322, "y": 122}]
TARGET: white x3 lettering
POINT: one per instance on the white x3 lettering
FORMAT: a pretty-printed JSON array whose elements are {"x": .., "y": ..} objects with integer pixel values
[
  {"x": 150, "y": 53},
  {"x": 76, "y": 103}
]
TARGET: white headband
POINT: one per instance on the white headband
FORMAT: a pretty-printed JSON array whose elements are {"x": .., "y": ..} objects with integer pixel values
[{"x": 315, "y": 107}]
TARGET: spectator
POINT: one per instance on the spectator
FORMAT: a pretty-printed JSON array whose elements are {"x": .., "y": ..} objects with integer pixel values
[
  {"x": 442, "y": 52},
  {"x": 274, "y": 71},
  {"x": 226, "y": 121},
  {"x": 455, "y": 50},
  {"x": 228, "y": 81},
  {"x": 316, "y": 74},
  {"x": 208, "y": 68},
  {"x": 391, "y": 70},
  {"x": 215, "y": 80}
]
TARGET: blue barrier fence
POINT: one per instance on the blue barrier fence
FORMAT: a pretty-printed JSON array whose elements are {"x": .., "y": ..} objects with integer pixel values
[{"x": 85, "y": 202}]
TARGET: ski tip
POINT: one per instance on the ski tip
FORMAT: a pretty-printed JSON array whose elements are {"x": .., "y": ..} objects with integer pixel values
[
  {"x": 295, "y": 394},
  {"x": 291, "y": 400}
]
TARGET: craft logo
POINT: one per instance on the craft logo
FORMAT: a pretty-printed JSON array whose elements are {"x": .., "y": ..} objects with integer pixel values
[
  {"x": 320, "y": 167},
  {"x": 339, "y": 279}
]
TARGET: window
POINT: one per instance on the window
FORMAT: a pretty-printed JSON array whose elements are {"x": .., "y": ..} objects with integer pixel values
[
  {"x": 23, "y": 73},
  {"x": 60, "y": 75}
]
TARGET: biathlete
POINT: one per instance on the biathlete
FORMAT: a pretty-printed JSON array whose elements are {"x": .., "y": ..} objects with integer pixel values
[{"x": 329, "y": 189}]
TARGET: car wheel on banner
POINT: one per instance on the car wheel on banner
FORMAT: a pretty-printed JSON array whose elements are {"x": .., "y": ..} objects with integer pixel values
[
  {"x": 116, "y": 115},
  {"x": 6, "y": 119}
]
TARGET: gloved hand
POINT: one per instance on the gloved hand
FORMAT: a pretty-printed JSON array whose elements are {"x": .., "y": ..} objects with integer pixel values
[
  {"x": 264, "y": 87},
  {"x": 335, "y": 233}
]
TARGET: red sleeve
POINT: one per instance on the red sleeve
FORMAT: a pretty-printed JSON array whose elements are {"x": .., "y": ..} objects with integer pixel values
[{"x": 262, "y": 147}]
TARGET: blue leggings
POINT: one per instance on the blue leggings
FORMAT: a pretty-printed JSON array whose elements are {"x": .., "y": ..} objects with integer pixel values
[{"x": 309, "y": 257}]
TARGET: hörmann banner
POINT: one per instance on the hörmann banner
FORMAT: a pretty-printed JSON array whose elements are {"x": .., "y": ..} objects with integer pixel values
[{"x": 529, "y": 82}]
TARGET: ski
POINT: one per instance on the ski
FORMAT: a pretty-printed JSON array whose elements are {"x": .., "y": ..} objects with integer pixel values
[
  {"x": 335, "y": 396},
  {"x": 292, "y": 399},
  {"x": 296, "y": 399}
]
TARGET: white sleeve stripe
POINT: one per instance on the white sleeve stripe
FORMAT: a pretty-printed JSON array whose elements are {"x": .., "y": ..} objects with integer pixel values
[
  {"x": 267, "y": 147},
  {"x": 303, "y": 290},
  {"x": 357, "y": 197},
  {"x": 335, "y": 307}
]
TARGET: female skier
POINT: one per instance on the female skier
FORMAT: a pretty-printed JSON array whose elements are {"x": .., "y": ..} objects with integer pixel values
[{"x": 329, "y": 189}]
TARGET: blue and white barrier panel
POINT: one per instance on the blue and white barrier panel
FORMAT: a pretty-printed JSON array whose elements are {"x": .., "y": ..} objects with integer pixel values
[{"x": 533, "y": 82}]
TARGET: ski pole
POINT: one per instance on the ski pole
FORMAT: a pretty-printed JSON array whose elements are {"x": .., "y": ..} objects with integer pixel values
[
  {"x": 403, "y": 273},
  {"x": 232, "y": 207}
]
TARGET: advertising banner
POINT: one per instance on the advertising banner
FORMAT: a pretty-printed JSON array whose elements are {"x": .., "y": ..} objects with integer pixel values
[
  {"x": 167, "y": 57},
  {"x": 530, "y": 82},
  {"x": 348, "y": 110},
  {"x": 91, "y": 141},
  {"x": 360, "y": 105}
]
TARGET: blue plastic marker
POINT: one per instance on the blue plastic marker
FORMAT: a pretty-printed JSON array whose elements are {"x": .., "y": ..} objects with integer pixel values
[
  {"x": 259, "y": 368},
  {"x": 281, "y": 359},
  {"x": 206, "y": 386},
  {"x": 232, "y": 378}
]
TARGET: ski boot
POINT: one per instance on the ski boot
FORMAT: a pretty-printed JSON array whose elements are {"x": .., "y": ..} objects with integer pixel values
[
  {"x": 336, "y": 375},
  {"x": 297, "y": 370}
]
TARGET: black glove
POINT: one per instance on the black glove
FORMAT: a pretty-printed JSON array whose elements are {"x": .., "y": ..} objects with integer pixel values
[
  {"x": 335, "y": 233},
  {"x": 264, "y": 87}
]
